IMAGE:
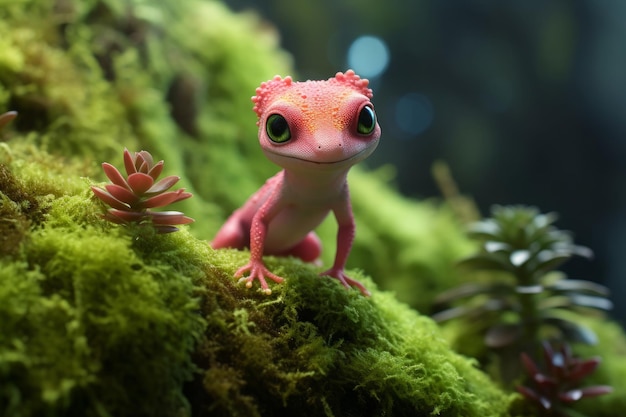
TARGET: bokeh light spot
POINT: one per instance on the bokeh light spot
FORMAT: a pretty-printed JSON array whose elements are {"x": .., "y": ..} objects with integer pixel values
[
  {"x": 368, "y": 56},
  {"x": 414, "y": 113}
]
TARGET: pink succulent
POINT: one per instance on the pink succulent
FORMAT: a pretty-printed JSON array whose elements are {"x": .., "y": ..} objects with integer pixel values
[
  {"x": 554, "y": 389},
  {"x": 132, "y": 198}
]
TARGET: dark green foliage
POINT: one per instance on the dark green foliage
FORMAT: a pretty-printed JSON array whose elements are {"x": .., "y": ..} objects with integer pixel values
[{"x": 519, "y": 310}]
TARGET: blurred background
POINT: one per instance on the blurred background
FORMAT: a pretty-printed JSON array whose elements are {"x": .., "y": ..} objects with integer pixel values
[{"x": 524, "y": 100}]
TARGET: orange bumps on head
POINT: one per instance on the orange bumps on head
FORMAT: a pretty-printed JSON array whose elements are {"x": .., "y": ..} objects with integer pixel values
[
  {"x": 350, "y": 78},
  {"x": 266, "y": 92},
  {"x": 322, "y": 93}
]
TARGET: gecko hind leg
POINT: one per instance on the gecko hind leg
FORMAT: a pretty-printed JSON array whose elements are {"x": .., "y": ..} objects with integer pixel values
[
  {"x": 308, "y": 249},
  {"x": 233, "y": 234}
]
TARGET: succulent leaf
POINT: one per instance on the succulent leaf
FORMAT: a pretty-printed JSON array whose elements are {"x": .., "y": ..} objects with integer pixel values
[
  {"x": 143, "y": 161},
  {"x": 487, "y": 261},
  {"x": 114, "y": 175},
  {"x": 165, "y": 199},
  {"x": 156, "y": 170},
  {"x": 486, "y": 229},
  {"x": 162, "y": 228},
  {"x": 571, "y": 331},
  {"x": 548, "y": 260},
  {"x": 143, "y": 167},
  {"x": 163, "y": 185},
  {"x": 129, "y": 162},
  {"x": 584, "y": 369},
  {"x": 122, "y": 194},
  {"x": 107, "y": 198},
  {"x": 519, "y": 257},
  {"x": 591, "y": 301},
  {"x": 6, "y": 118},
  {"x": 140, "y": 182},
  {"x": 170, "y": 218},
  {"x": 596, "y": 390},
  {"x": 580, "y": 285},
  {"x": 125, "y": 217},
  {"x": 528, "y": 393}
]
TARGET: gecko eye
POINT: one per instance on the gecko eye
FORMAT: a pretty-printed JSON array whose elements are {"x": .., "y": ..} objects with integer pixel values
[
  {"x": 277, "y": 128},
  {"x": 367, "y": 121}
]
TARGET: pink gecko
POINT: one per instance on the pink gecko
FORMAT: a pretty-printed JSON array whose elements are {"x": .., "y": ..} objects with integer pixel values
[{"x": 316, "y": 131}]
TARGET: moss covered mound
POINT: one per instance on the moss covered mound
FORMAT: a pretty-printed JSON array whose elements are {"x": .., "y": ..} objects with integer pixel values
[
  {"x": 87, "y": 325},
  {"x": 317, "y": 349},
  {"x": 102, "y": 320}
]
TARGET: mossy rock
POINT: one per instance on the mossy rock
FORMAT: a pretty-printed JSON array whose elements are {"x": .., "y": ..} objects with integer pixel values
[
  {"x": 98, "y": 319},
  {"x": 87, "y": 325}
]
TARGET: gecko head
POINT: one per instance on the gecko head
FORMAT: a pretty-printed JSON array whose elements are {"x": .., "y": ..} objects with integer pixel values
[{"x": 327, "y": 124}]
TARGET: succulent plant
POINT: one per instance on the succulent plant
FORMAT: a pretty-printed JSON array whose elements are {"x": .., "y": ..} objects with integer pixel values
[
  {"x": 525, "y": 248},
  {"x": 6, "y": 118},
  {"x": 556, "y": 388},
  {"x": 132, "y": 198}
]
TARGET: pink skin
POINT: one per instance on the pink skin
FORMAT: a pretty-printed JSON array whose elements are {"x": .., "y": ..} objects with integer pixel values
[{"x": 325, "y": 140}]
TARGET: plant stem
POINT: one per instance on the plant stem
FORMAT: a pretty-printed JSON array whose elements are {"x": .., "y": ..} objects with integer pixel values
[{"x": 528, "y": 305}]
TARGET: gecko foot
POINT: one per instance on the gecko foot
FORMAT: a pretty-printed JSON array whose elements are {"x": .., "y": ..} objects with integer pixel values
[
  {"x": 346, "y": 281},
  {"x": 257, "y": 271}
]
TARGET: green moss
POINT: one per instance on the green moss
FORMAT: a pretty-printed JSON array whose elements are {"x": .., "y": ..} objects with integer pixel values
[
  {"x": 98, "y": 319},
  {"x": 15, "y": 204},
  {"x": 315, "y": 348}
]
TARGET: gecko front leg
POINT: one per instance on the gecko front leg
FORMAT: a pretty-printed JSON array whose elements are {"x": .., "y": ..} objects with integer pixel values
[
  {"x": 256, "y": 267},
  {"x": 259, "y": 271},
  {"x": 345, "y": 237}
]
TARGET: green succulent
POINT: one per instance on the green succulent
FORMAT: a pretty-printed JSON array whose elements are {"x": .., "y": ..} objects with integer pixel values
[{"x": 532, "y": 301}]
